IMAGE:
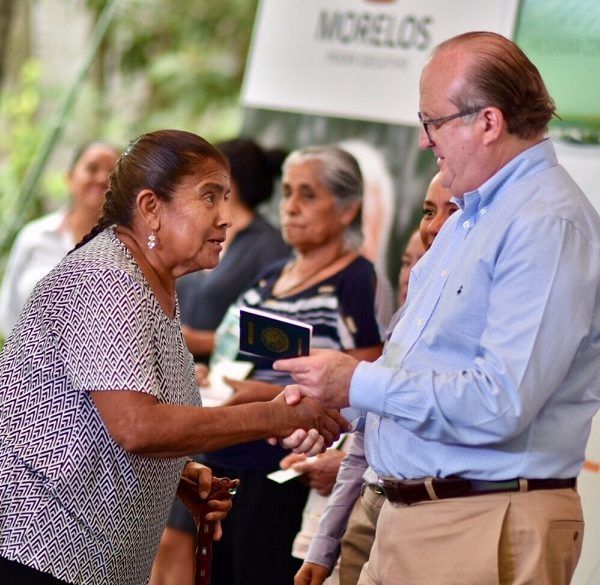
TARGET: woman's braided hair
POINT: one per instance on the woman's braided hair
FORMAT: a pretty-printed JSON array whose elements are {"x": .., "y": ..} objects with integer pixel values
[{"x": 158, "y": 161}]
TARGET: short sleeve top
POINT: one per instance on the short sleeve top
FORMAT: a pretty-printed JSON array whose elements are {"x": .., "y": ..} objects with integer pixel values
[{"x": 73, "y": 503}]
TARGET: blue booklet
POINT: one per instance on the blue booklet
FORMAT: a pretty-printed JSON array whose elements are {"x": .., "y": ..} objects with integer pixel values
[{"x": 271, "y": 336}]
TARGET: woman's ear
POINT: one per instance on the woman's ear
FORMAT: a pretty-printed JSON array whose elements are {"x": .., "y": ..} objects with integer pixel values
[
  {"x": 149, "y": 207},
  {"x": 348, "y": 214}
]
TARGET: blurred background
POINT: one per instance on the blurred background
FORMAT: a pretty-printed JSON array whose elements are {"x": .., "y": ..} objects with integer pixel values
[{"x": 72, "y": 70}]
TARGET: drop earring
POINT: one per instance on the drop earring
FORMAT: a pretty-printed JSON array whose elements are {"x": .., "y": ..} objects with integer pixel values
[{"x": 151, "y": 241}]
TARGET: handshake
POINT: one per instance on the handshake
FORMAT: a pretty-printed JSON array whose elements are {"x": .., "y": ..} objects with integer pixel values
[{"x": 311, "y": 405}]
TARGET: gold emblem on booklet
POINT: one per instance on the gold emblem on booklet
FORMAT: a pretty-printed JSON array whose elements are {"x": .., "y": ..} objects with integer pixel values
[{"x": 275, "y": 339}]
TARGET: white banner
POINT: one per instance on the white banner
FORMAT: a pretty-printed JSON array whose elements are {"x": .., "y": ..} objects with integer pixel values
[{"x": 356, "y": 58}]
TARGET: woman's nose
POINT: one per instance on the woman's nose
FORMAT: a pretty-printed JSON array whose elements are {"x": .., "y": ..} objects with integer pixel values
[
  {"x": 289, "y": 206},
  {"x": 225, "y": 218}
]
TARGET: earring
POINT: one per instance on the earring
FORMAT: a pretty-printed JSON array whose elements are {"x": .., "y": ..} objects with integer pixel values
[{"x": 151, "y": 241}]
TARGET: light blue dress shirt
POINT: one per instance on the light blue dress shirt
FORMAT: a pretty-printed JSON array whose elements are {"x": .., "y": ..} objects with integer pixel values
[{"x": 493, "y": 369}]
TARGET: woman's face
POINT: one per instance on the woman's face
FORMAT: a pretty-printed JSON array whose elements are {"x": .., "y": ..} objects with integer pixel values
[
  {"x": 437, "y": 208},
  {"x": 412, "y": 254},
  {"x": 309, "y": 215},
  {"x": 88, "y": 179},
  {"x": 193, "y": 224}
]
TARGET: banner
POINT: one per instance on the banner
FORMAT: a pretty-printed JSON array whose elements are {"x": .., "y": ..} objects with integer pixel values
[{"x": 357, "y": 59}]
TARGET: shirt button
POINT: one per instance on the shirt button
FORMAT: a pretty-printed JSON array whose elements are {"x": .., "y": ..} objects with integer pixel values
[
  {"x": 466, "y": 225},
  {"x": 420, "y": 322},
  {"x": 482, "y": 211},
  {"x": 444, "y": 273}
]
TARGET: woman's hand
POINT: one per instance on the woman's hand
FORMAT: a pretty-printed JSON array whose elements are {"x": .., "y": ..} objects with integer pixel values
[
  {"x": 201, "y": 375},
  {"x": 311, "y": 574},
  {"x": 251, "y": 391},
  {"x": 194, "y": 489}
]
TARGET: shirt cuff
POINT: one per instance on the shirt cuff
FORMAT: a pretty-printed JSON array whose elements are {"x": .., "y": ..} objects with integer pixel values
[
  {"x": 367, "y": 387},
  {"x": 323, "y": 551}
]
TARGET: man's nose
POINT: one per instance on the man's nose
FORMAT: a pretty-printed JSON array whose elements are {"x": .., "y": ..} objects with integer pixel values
[{"x": 424, "y": 140}]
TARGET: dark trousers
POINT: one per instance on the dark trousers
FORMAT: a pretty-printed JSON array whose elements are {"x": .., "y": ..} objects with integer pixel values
[
  {"x": 259, "y": 531},
  {"x": 13, "y": 573}
]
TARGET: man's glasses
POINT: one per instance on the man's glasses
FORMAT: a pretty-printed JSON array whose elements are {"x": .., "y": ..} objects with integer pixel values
[{"x": 437, "y": 123}]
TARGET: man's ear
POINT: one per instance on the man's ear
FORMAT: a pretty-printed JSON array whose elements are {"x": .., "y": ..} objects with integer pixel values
[
  {"x": 494, "y": 124},
  {"x": 149, "y": 207}
]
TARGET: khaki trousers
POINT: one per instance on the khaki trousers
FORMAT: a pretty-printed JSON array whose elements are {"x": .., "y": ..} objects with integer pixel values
[
  {"x": 531, "y": 538},
  {"x": 359, "y": 536}
]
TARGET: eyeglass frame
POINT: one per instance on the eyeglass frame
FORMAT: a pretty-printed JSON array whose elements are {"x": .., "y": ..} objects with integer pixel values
[{"x": 437, "y": 123}]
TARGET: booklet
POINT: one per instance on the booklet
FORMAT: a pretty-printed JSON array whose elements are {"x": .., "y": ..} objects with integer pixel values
[{"x": 271, "y": 336}]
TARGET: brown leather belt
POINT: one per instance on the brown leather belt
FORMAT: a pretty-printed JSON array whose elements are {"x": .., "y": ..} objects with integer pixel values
[
  {"x": 222, "y": 488},
  {"x": 411, "y": 491}
]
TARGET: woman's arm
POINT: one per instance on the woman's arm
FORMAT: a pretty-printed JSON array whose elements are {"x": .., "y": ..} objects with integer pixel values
[
  {"x": 366, "y": 354},
  {"x": 251, "y": 391},
  {"x": 198, "y": 341},
  {"x": 142, "y": 425}
]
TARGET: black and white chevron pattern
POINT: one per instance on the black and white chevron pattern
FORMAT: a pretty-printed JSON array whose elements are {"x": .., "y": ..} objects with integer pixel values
[{"x": 72, "y": 502}]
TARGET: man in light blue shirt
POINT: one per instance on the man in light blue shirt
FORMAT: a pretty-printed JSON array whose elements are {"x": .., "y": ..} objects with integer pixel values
[{"x": 489, "y": 382}]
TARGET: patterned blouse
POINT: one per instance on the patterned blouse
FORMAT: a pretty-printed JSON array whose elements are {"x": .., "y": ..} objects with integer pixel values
[{"x": 73, "y": 503}]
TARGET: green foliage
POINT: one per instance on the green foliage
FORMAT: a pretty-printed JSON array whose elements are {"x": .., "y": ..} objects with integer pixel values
[
  {"x": 20, "y": 136},
  {"x": 192, "y": 53}
]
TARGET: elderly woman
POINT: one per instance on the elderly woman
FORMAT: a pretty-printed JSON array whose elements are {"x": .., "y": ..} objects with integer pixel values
[
  {"x": 42, "y": 243},
  {"x": 204, "y": 297},
  {"x": 327, "y": 284},
  {"x": 98, "y": 405}
]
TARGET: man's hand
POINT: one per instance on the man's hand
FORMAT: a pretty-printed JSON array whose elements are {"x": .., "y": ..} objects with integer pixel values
[
  {"x": 324, "y": 376},
  {"x": 311, "y": 574},
  {"x": 320, "y": 472}
]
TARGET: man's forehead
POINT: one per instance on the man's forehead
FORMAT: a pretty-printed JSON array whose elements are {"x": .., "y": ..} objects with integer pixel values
[{"x": 443, "y": 76}]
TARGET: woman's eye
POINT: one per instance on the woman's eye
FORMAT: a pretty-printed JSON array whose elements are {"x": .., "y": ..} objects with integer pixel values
[{"x": 428, "y": 212}]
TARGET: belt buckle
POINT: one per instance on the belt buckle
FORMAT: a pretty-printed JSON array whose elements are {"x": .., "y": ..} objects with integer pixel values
[{"x": 376, "y": 488}]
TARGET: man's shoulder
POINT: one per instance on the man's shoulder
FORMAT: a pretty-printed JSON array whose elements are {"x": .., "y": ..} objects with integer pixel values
[{"x": 557, "y": 195}]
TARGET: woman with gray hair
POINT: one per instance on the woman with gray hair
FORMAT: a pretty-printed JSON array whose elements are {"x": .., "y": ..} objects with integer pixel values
[{"x": 327, "y": 284}]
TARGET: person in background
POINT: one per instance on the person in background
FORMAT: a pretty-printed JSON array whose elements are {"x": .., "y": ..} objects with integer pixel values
[
  {"x": 42, "y": 243},
  {"x": 327, "y": 284},
  {"x": 98, "y": 404},
  {"x": 377, "y": 215},
  {"x": 347, "y": 525},
  {"x": 252, "y": 244},
  {"x": 412, "y": 254},
  {"x": 477, "y": 415}
]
